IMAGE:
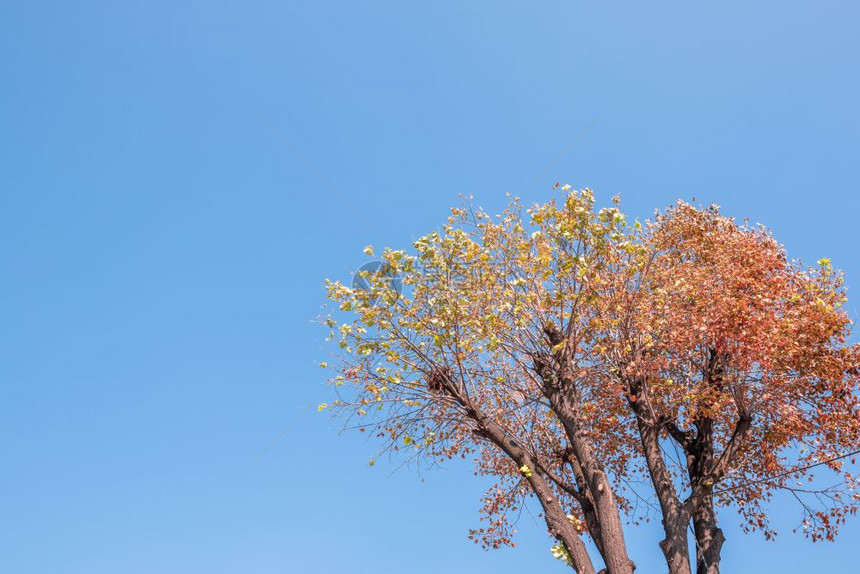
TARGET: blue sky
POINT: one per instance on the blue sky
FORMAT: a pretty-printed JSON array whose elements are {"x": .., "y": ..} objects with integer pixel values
[{"x": 162, "y": 253}]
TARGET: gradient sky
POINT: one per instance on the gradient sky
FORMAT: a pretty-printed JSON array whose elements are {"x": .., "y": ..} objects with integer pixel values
[{"x": 162, "y": 253}]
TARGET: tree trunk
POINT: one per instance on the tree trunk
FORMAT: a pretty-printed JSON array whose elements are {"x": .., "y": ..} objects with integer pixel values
[
  {"x": 560, "y": 388},
  {"x": 611, "y": 529},
  {"x": 709, "y": 537},
  {"x": 675, "y": 545},
  {"x": 554, "y": 515}
]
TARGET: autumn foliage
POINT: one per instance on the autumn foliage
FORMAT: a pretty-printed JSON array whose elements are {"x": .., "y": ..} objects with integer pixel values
[{"x": 614, "y": 371}]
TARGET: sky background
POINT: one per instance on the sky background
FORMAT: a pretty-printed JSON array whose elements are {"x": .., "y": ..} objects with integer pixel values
[{"x": 162, "y": 253}]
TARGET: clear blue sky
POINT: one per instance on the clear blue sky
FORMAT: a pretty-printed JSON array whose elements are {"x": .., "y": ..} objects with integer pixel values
[{"x": 162, "y": 253}]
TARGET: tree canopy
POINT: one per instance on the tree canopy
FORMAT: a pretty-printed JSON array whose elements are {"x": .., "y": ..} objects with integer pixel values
[{"x": 610, "y": 370}]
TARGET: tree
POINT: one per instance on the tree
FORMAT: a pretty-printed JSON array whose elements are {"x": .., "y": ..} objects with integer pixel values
[{"x": 603, "y": 368}]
